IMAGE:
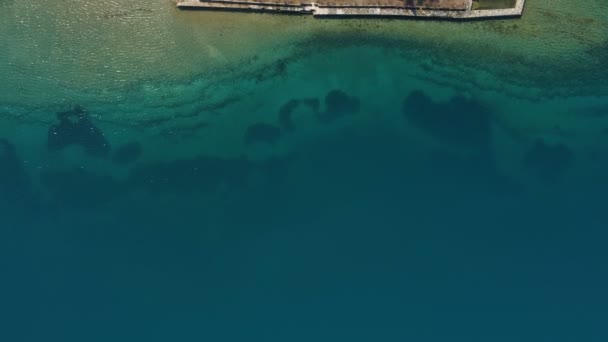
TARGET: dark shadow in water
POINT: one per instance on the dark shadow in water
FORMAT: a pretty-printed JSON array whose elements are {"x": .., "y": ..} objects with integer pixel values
[
  {"x": 127, "y": 153},
  {"x": 338, "y": 104},
  {"x": 81, "y": 188},
  {"x": 599, "y": 53},
  {"x": 190, "y": 175},
  {"x": 460, "y": 121},
  {"x": 86, "y": 189},
  {"x": 477, "y": 172},
  {"x": 286, "y": 111},
  {"x": 311, "y": 102},
  {"x": 15, "y": 185},
  {"x": 76, "y": 128},
  {"x": 263, "y": 133},
  {"x": 548, "y": 161}
]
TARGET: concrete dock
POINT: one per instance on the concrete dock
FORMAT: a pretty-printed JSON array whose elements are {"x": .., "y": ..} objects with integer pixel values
[{"x": 442, "y": 9}]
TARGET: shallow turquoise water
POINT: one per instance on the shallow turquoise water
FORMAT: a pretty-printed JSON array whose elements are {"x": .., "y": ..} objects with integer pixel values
[{"x": 330, "y": 182}]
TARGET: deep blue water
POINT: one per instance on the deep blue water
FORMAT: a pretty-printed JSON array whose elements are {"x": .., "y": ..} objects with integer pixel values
[{"x": 375, "y": 243}]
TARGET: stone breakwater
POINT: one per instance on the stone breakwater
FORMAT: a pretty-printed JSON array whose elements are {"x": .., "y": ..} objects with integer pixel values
[{"x": 443, "y": 9}]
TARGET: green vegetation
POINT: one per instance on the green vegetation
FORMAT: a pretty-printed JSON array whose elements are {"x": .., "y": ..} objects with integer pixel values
[{"x": 493, "y": 4}]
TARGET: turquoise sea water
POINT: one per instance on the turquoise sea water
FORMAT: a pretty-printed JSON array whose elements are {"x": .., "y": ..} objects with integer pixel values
[{"x": 188, "y": 176}]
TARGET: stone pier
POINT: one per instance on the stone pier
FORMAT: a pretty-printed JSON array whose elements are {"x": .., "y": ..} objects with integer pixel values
[{"x": 442, "y": 9}]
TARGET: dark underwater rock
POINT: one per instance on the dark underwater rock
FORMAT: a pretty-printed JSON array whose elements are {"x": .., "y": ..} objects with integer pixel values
[
  {"x": 468, "y": 173},
  {"x": 80, "y": 188},
  {"x": 12, "y": 173},
  {"x": 76, "y": 128},
  {"x": 312, "y": 103},
  {"x": 417, "y": 101},
  {"x": 190, "y": 175},
  {"x": 460, "y": 120},
  {"x": 15, "y": 185},
  {"x": 549, "y": 161},
  {"x": 285, "y": 119},
  {"x": 127, "y": 153},
  {"x": 338, "y": 104},
  {"x": 286, "y": 111},
  {"x": 263, "y": 133}
]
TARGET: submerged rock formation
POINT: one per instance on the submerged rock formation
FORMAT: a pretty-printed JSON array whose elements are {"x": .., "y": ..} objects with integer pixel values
[
  {"x": 461, "y": 121},
  {"x": 198, "y": 174},
  {"x": 76, "y": 128},
  {"x": 127, "y": 153},
  {"x": 263, "y": 133},
  {"x": 548, "y": 161},
  {"x": 15, "y": 186},
  {"x": 338, "y": 104}
]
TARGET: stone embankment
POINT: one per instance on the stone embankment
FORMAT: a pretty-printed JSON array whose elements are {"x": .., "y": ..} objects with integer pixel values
[{"x": 443, "y": 9}]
